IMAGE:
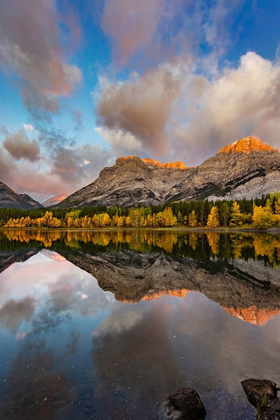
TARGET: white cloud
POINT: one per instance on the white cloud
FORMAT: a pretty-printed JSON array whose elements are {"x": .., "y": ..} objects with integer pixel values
[
  {"x": 122, "y": 142},
  {"x": 28, "y": 127}
]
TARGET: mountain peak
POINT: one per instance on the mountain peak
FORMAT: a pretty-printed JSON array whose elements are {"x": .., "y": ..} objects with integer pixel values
[
  {"x": 247, "y": 145},
  {"x": 169, "y": 165},
  {"x": 54, "y": 200},
  {"x": 148, "y": 161}
]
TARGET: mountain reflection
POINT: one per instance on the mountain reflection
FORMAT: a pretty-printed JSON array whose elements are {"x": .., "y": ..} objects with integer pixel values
[{"x": 240, "y": 272}]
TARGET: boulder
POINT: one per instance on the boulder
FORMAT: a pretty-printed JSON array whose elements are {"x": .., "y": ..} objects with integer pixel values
[
  {"x": 184, "y": 404},
  {"x": 260, "y": 391},
  {"x": 262, "y": 394}
]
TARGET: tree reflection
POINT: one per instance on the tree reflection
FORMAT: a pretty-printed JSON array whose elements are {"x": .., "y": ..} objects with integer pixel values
[{"x": 195, "y": 245}]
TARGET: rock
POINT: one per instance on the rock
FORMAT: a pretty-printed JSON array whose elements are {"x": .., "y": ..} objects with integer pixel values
[
  {"x": 260, "y": 391},
  {"x": 262, "y": 394},
  {"x": 246, "y": 168},
  {"x": 272, "y": 413},
  {"x": 184, "y": 404}
]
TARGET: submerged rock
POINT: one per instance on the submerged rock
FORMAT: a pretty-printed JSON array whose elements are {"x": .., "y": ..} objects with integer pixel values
[
  {"x": 184, "y": 404},
  {"x": 262, "y": 394}
]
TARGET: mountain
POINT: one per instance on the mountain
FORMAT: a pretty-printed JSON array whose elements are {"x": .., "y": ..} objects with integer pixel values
[
  {"x": 54, "y": 200},
  {"x": 11, "y": 199},
  {"x": 246, "y": 168}
]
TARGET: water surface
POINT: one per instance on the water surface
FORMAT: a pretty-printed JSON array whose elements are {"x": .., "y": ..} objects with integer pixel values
[{"x": 105, "y": 325}]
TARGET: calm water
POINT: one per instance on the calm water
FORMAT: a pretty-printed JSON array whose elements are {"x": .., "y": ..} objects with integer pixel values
[{"x": 105, "y": 325}]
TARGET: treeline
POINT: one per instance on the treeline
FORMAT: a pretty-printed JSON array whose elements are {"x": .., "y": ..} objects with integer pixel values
[{"x": 261, "y": 213}]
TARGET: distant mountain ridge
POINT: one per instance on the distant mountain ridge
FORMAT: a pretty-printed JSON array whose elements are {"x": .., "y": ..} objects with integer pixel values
[
  {"x": 247, "y": 168},
  {"x": 11, "y": 199},
  {"x": 54, "y": 200}
]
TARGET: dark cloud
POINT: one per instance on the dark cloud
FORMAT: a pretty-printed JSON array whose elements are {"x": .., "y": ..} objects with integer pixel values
[{"x": 21, "y": 147}]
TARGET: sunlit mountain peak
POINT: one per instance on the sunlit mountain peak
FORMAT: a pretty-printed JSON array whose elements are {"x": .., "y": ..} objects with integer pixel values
[{"x": 247, "y": 145}]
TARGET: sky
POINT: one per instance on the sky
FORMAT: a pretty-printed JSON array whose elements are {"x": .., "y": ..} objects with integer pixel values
[{"x": 84, "y": 82}]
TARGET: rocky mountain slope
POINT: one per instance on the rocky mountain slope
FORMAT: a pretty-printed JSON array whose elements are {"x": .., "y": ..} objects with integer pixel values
[
  {"x": 11, "y": 199},
  {"x": 54, "y": 200},
  {"x": 246, "y": 168}
]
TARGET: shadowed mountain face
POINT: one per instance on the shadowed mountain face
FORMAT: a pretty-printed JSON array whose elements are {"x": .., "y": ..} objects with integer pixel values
[
  {"x": 248, "y": 289},
  {"x": 247, "y": 168},
  {"x": 11, "y": 199}
]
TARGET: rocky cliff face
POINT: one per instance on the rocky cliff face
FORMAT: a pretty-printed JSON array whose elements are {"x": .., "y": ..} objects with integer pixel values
[
  {"x": 129, "y": 182},
  {"x": 246, "y": 168},
  {"x": 11, "y": 199}
]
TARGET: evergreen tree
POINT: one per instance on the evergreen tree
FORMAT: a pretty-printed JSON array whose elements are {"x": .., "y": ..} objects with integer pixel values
[{"x": 225, "y": 213}]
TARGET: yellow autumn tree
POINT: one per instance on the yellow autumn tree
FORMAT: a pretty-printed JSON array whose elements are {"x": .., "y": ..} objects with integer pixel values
[
  {"x": 128, "y": 221},
  {"x": 193, "y": 219},
  {"x": 262, "y": 217},
  {"x": 213, "y": 218},
  {"x": 236, "y": 215}
]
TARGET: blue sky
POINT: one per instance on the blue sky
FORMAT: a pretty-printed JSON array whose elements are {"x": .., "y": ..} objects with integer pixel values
[{"x": 84, "y": 82}]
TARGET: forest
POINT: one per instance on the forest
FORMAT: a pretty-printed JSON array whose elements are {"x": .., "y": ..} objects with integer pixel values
[{"x": 262, "y": 213}]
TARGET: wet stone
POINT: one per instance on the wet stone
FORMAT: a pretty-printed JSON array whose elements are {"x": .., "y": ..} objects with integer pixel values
[
  {"x": 260, "y": 391},
  {"x": 184, "y": 404}
]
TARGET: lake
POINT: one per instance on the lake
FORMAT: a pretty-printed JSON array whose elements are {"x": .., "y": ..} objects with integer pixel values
[{"x": 107, "y": 324}]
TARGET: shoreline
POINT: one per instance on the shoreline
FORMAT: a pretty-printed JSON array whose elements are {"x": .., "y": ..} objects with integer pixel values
[{"x": 222, "y": 230}]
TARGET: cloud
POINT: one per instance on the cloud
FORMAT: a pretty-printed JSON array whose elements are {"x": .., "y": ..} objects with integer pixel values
[
  {"x": 130, "y": 24},
  {"x": 140, "y": 108},
  {"x": 26, "y": 177},
  {"x": 153, "y": 32},
  {"x": 28, "y": 127},
  {"x": 119, "y": 321},
  {"x": 122, "y": 142},
  {"x": 67, "y": 171},
  {"x": 31, "y": 48},
  {"x": 79, "y": 166},
  {"x": 176, "y": 108},
  {"x": 21, "y": 147},
  {"x": 77, "y": 117},
  {"x": 238, "y": 102},
  {"x": 13, "y": 313}
]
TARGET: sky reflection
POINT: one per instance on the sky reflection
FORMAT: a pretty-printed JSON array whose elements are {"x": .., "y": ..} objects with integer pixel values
[{"x": 71, "y": 349}]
